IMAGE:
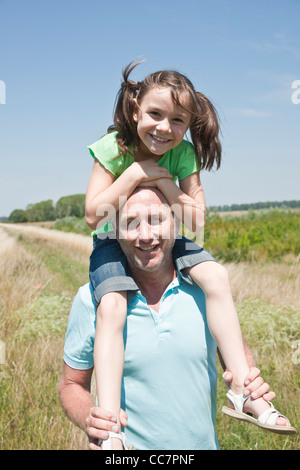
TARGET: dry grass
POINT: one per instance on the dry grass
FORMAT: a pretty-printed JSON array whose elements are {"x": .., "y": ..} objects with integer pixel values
[
  {"x": 73, "y": 241},
  {"x": 274, "y": 283},
  {"x": 32, "y": 327}
]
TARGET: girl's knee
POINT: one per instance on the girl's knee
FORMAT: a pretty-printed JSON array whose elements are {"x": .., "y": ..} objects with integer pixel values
[
  {"x": 112, "y": 305},
  {"x": 211, "y": 276},
  {"x": 221, "y": 275}
]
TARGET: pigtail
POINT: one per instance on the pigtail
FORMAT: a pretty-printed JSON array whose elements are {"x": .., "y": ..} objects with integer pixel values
[
  {"x": 124, "y": 123},
  {"x": 205, "y": 133}
]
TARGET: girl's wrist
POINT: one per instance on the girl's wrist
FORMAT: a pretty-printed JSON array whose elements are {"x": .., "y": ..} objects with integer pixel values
[
  {"x": 160, "y": 182},
  {"x": 136, "y": 172}
]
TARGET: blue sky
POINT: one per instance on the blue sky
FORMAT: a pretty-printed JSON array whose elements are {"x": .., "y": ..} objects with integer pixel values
[{"x": 60, "y": 70}]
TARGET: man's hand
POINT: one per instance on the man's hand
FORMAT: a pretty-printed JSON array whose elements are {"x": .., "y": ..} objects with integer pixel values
[
  {"x": 99, "y": 422},
  {"x": 254, "y": 384}
]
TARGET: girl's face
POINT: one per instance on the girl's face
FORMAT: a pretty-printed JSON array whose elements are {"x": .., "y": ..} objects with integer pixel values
[{"x": 161, "y": 123}]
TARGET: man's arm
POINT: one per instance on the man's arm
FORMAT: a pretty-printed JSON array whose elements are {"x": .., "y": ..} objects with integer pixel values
[
  {"x": 74, "y": 394},
  {"x": 77, "y": 403}
]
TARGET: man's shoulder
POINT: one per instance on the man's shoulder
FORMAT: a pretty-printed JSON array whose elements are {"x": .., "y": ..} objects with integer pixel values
[
  {"x": 187, "y": 286},
  {"x": 84, "y": 297}
]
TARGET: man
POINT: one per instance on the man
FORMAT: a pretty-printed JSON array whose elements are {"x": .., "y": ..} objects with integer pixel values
[{"x": 169, "y": 379}]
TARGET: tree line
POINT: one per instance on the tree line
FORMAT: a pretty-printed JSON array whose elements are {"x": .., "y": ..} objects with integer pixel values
[
  {"x": 67, "y": 206},
  {"x": 74, "y": 206},
  {"x": 294, "y": 204}
]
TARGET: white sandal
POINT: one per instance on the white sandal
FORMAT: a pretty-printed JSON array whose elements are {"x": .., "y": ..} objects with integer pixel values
[
  {"x": 107, "y": 444},
  {"x": 267, "y": 420}
]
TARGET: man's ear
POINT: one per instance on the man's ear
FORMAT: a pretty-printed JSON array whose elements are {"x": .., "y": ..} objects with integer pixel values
[
  {"x": 116, "y": 230},
  {"x": 177, "y": 225},
  {"x": 114, "y": 223}
]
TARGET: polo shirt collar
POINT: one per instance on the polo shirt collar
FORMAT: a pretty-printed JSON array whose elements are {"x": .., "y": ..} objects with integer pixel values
[{"x": 173, "y": 284}]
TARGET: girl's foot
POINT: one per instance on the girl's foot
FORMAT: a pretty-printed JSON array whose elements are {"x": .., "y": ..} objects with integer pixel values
[
  {"x": 258, "y": 406},
  {"x": 268, "y": 419}
]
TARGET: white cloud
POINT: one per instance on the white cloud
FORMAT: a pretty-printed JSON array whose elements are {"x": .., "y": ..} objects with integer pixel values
[
  {"x": 250, "y": 112},
  {"x": 280, "y": 42}
]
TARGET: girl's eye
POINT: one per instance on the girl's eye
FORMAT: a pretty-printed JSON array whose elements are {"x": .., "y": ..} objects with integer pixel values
[
  {"x": 154, "y": 113},
  {"x": 180, "y": 120}
]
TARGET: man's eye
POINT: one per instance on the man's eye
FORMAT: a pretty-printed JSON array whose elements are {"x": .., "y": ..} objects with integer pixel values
[
  {"x": 133, "y": 224},
  {"x": 157, "y": 219}
]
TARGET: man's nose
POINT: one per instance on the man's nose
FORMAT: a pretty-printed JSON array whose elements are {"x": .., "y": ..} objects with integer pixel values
[{"x": 145, "y": 232}]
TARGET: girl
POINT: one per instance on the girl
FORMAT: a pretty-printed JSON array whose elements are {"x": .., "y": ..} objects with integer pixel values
[{"x": 146, "y": 146}]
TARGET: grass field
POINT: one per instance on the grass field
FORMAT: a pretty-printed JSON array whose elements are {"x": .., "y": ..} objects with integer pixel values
[{"x": 41, "y": 271}]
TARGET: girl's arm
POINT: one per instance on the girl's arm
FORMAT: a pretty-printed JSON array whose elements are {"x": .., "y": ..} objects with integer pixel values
[
  {"x": 103, "y": 193},
  {"x": 187, "y": 201}
]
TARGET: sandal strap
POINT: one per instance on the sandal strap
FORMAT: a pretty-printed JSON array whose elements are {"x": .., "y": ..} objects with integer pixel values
[
  {"x": 270, "y": 416},
  {"x": 106, "y": 443},
  {"x": 238, "y": 401}
]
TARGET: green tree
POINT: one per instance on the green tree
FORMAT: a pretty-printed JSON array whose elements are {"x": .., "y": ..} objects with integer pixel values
[
  {"x": 18, "y": 216},
  {"x": 41, "y": 211},
  {"x": 70, "y": 206}
]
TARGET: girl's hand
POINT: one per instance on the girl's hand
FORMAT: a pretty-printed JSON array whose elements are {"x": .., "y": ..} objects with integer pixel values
[
  {"x": 149, "y": 170},
  {"x": 148, "y": 184},
  {"x": 157, "y": 183}
]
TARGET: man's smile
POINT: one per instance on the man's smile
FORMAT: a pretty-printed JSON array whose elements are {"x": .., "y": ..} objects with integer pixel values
[{"x": 149, "y": 248}]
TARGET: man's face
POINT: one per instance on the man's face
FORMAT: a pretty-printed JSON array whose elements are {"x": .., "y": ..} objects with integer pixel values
[{"x": 146, "y": 230}]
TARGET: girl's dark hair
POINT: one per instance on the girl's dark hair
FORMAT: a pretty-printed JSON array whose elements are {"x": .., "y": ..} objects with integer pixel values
[{"x": 204, "y": 127}]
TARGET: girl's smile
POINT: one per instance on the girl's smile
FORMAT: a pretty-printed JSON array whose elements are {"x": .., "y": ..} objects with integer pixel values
[{"x": 161, "y": 123}]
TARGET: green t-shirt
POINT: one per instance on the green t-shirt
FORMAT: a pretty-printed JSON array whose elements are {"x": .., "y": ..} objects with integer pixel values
[{"x": 180, "y": 161}]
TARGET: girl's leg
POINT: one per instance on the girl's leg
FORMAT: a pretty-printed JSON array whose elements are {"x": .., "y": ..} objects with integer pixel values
[
  {"x": 109, "y": 353},
  {"x": 224, "y": 326}
]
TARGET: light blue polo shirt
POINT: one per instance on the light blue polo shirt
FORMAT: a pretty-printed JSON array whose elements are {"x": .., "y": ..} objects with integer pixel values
[{"x": 170, "y": 378}]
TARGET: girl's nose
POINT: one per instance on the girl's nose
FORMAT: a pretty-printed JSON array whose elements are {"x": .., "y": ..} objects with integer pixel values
[{"x": 163, "y": 125}]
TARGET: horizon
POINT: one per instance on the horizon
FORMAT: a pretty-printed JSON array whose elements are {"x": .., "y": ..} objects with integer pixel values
[{"x": 208, "y": 207}]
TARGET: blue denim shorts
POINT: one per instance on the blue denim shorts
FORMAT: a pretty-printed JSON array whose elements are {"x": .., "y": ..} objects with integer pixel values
[{"x": 109, "y": 270}]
